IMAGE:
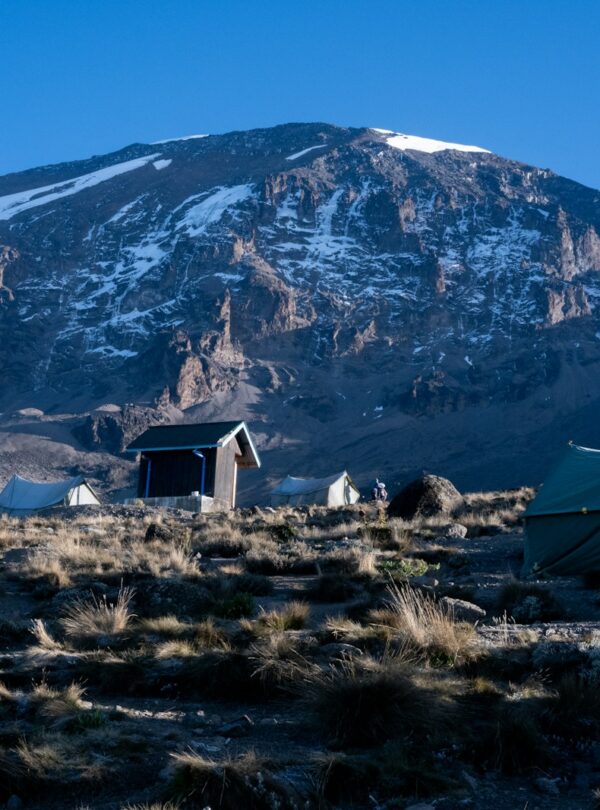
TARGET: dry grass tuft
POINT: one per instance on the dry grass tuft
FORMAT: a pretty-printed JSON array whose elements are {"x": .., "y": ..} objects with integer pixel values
[
  {"x": 43, "y": 637},
  {"x": 293, "y": 616},
  {"x": 58, "y": 706},
  {"x": 364, "y": 701},
  {"x": 97, "y": 618},
  {"x": 153, "y": 806},
  {"x": 208, "y": 635},
  {"x": 427, "y": 627},
  {"x": 168, "y": 625},
  {"x": 231, "y": 784},
  {"x": 178, "y": 648},
  {"x": 280, "y": 663},
  {"x": 48, "y": 569}
]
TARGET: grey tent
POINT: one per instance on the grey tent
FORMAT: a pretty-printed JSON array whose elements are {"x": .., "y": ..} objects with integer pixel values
[
  {"x": 22, "y": 497},
  {"x": 335, "y": 490},
  {"x": 562, "y": 523}
]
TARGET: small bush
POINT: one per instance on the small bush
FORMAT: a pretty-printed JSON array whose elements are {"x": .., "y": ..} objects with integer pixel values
[
  {"x": 219, "y": 674},
  {"x": 130, "y": 672},
  {"x": 280, "y": 663},
  {"x": 238, "y": 606},
  {"x": 211, "y": 637},
  {"x": 388, "y": 538},
  {"x": 224, "y": 547},
  {"x": 254, "y": 584},
  {"x": 169, "y": 626},
  {"x": 364, "y": 702},
  {"x": 281, "y": 531},
  {"x": 333, "y": 588},
  {"x": 426, "y": 627},
  {"x": 43, "y": 637},
  {"x": 349, "y": 562},
  {"x": 293, "y": 616},
  {"x": 231, "y": 784},
  {"x": 59, "y": 707},
  {"x": 347, "y": 780},
  {"x": 527, "y": 603},
  {"x": 404, "y": 569},
  {"x": 515, "y": 741},
  {"x": 573, "y": 709},
  {"x": 270, "y": 559},
  {"x": 97, "y": 618}
]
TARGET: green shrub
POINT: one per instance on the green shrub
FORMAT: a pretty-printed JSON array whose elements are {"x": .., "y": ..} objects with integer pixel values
[
  {"x": 403, "y": 569},
  {"x": 84, "y": 721},
  {"x": 238, "y": 606}
]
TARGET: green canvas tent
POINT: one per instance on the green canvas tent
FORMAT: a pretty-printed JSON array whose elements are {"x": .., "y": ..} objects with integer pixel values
[{"x": 562, "y": 523}]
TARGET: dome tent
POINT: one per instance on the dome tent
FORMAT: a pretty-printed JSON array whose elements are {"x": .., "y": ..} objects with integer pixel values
[
  {"x": 562, "y": 523},
  {"x": 21, "y": 497},
  {"x": 335, "y": 490}
]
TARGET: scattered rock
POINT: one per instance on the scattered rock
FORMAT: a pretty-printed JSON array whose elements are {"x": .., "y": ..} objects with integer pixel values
[
  {"x": 425, "y": 497},
  {"x": 456, "y": 530},
  {"x": 237, "y": 728},
  {"x": 582, "y": 782},
  {"x": 463, "y": 611},
  {"x": 156, "y": 531},
  {"x": 97, "y": 590},
  {"x": 425, "y": 580},
  {"x": 97, "y": 530},
  {"x": 15, "y": 556},
  {"x": 547, "y": 786}
]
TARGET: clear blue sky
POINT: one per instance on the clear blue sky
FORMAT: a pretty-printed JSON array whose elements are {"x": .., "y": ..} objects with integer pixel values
[{"x": 520, "y": 77}]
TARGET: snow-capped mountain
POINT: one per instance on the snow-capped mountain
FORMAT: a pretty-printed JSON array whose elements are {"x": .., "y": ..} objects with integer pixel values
[{"x": 410, "y": 302}]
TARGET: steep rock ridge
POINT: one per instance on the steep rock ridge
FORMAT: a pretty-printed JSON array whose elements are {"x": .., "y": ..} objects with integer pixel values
[
  {"x": 8, "y": 256},
  {"x": 364, "y": 286}
]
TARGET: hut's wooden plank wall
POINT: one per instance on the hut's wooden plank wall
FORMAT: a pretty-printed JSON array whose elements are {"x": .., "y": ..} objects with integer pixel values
[{"x": 178, "y": 473}]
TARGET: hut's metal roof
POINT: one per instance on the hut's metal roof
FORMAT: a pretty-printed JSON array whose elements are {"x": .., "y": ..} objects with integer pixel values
[{"x": 195, "y": 437}]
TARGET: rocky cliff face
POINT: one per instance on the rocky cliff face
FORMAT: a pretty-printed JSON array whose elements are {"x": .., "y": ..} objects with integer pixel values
[{"x": 397, "y": 302}]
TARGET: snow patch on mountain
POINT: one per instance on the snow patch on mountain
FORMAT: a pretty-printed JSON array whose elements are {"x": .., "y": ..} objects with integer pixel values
[
  {"x": 182, "y": 138},
  {"x": 305, "y": 151},
  {"x": 401, "y": 141},
  {"x": 121, "y": 212},
  {"x": 162, "y": 164},
  {"x": 211, "y": 209},
  {"x": 14, "y": 204}
]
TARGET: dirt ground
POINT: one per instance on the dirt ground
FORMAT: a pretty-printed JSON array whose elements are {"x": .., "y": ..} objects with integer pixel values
[{"x": 116, "y": 740}]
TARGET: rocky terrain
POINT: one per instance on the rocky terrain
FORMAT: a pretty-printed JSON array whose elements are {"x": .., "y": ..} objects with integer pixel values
[
  {"x": 285, "y": 659},
  {"x": 413, "y": 304}
]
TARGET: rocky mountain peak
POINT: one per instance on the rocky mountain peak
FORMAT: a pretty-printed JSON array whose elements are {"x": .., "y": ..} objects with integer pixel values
[{"x": 382, "y": 291}]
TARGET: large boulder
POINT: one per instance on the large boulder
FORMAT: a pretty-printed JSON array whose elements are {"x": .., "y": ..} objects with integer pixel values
[{"x": 425, "y": 497}]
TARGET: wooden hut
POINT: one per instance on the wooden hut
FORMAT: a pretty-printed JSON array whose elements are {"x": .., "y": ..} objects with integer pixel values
[{"x": 193, "y": 466}]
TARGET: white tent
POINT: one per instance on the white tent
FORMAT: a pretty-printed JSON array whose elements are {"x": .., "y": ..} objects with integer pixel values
[
  {"x": 22, "y": 497},
  {"x": 335, "y": 490}
]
